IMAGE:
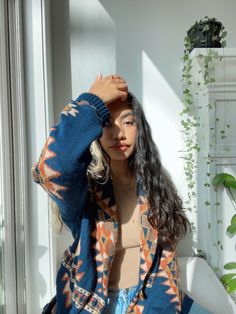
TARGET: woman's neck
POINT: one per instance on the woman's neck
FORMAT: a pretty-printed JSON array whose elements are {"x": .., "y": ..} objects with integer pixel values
[{"x": 121, "y": 174}]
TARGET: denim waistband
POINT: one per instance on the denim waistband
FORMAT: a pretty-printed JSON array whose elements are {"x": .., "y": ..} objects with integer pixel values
[{"x": 116, "y": 291}]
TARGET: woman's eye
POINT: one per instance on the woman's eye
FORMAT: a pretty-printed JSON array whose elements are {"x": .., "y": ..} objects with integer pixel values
[{"x": 129, "y": 122}]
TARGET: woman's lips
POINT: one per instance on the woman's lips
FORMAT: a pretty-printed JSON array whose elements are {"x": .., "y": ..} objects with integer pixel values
[{"x": 120, "y": 147}]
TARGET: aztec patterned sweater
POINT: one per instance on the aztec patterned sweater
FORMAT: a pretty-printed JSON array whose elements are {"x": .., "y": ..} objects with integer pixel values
[{"x": 90, "y": 214}]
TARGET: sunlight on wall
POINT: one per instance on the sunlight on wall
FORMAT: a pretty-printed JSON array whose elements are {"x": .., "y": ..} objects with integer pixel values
[
  {"x": 162, "y": 108},
  {"x": 93, "y": 48}
]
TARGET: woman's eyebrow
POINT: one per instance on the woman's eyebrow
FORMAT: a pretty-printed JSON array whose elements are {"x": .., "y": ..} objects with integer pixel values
[{"x": 125, "y": 115}]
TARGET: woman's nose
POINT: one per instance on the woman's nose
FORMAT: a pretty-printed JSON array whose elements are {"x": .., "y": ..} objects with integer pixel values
[{"x": 119, "y": 133}]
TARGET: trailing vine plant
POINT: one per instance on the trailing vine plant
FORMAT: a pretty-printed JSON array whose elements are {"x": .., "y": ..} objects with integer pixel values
[
  {"x": 189, "y": 128},
  {"x": 190, "y": 120}
]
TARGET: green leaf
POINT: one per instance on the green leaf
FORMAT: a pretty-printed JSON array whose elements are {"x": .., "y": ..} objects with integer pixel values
[
  {"x": 223, "y": 44},
  {"x": 218, "y": 179},
  {"x": 221, "y": 178},
  {"x": 226, "y": 278},
  {"x": 233, "y": 220},
  {"x": 223, "y": 34},
  {"x": 231, "y": 286},
  {"x": 229, "y": 266},
  {"x": 232, "y": 229},
  {"x": 206, "y": 28},
  {"x": 230, "y": 182}
]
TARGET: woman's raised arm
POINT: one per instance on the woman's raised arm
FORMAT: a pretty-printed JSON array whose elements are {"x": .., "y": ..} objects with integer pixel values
[{"x": 62, "y": 165}]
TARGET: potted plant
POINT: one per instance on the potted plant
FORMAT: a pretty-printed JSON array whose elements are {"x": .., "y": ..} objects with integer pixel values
[
  {"x": 189, "y": 121},
  {"x": 229, "y": 182},
  {"x": 206, "y": 33}
]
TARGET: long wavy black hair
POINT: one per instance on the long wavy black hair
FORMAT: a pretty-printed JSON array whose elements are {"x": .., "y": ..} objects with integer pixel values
[{"x": 166, "y": 212}]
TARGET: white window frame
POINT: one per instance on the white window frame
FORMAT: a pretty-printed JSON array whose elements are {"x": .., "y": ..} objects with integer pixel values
[{"x": 13, "y": 155}]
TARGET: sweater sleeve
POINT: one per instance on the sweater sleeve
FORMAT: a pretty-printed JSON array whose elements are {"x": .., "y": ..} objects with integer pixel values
[{"x": 63, "y": 162}]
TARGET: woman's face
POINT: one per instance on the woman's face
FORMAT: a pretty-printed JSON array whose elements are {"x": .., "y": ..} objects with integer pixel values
[{"x": 118, "y": 139}]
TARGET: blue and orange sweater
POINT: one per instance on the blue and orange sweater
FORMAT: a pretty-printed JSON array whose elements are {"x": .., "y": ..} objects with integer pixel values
[{"x": 90, "y": 214}]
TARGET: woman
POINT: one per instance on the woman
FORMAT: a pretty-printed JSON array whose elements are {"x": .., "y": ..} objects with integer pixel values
[{"x": 102, "y": 170}]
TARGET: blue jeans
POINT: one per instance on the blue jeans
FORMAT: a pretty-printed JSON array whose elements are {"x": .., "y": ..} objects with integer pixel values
[{"x": 119, "y": 300}]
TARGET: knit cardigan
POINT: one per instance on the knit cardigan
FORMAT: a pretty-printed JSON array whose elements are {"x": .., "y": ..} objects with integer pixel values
[{"x": 89, "y": 211}]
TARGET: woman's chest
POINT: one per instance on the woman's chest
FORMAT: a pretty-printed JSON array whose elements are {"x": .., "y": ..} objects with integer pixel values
[{"x": 128, "y": 216}]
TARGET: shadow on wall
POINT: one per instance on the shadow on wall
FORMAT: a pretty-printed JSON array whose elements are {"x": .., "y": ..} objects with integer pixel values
[{"x": 61, "y": 54}]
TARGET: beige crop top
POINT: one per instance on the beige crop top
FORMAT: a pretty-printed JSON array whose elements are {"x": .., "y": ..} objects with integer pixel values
[{"x": 125, "y": 267}]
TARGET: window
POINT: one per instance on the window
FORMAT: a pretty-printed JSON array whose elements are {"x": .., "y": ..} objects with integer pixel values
[{"x": 12, "y": 162}]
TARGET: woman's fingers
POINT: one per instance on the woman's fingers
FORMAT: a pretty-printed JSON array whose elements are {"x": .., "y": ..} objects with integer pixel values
[
  {"x": 99, "y": 76},
  {"x": 114, "y": 76},
  {"x": 123, "y": 95},
  {"x": 122, "y": 86},
  {"x": 110, "y": 88},
  {"x": 118, "y": 80}
]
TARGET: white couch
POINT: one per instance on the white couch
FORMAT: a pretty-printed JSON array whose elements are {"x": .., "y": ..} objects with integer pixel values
[{"x": 200, "y": 282}]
